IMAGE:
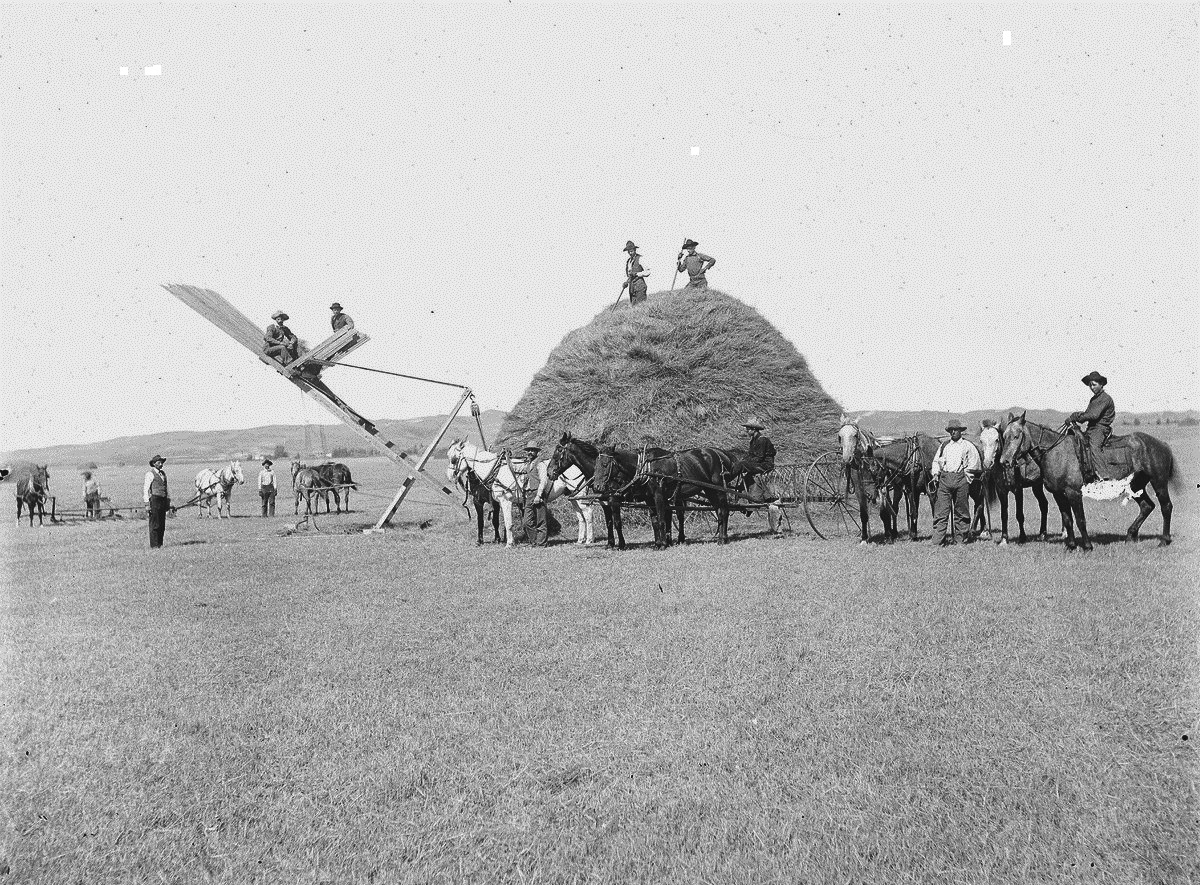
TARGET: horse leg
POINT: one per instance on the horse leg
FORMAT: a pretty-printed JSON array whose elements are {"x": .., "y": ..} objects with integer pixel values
[
  {"x": 619, "y": 527},
  {"x": 478, "y": 522},
  {"x": 1003, "y": 495},
  {"x": 1145, "y": 506},
  {"x": 1064, "y": 508},
  {"x": 864, "y": 515},
  {"x": 1164, "y": 499},
  {"x": 607, "y": 508},
  {"x": 507, "y": 509},
  {"x": 19, "y": 508},
  {"x": 1076, "y": 499},
  {"x": 496, "y": 522},
  {"x": 680, "y": 513}
]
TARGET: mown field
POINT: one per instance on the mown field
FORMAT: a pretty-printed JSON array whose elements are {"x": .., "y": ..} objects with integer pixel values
[{"x": 247, "y": 705}]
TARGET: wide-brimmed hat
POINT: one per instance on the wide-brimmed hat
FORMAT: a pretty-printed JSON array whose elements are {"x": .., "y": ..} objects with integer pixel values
[
  {"x": 753, "y": 423},
  {"x": 955, "y": 424},
  {"x": 629, "y": 246},
  {"x": 335, "y": 306},
  {"x": 1094, "y": 376},
  {"x": 267, "y": 462},
  {"x": 690, "y": 244},
  {"x": 156, "y": 459},
  {"x": 279, "y": 315},
  {"x": 532, "y": 447}
]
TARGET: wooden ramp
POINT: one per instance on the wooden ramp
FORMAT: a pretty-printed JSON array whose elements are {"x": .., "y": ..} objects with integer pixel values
[{"x": 237, "y": 326}]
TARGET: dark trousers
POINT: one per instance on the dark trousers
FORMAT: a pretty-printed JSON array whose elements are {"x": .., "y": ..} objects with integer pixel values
[
  {"x": 536, "y": 529},
  {"x": 93, "y": 506},
  {"x": 951, "y": 493},
  {"x": 268, "y": 502},
  {"x": 158, "y": 519}
]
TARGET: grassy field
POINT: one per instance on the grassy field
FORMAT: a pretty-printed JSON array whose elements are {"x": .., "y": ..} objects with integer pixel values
[{"x": 247, "y": 705}]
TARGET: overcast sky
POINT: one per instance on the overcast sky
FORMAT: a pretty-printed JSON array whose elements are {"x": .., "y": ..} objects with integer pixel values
[{"x": 935, "y": 220}]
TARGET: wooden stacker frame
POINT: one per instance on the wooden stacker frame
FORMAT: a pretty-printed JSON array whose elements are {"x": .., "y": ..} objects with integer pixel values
[{"x": 329, "y": 352}]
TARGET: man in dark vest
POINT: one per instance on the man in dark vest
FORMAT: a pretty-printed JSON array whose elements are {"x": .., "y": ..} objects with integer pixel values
[
  {"x": 339, "y": 320},
  {"x": 278, "y": 341},
  {"x": 759, "y": 460},
  {"x": 695, "y": 264},
  {"x": 534, "y": 517},
  {"x": 635, "y": 275},
  {"x": 154, "y": 492},
  {"x": 1098, "y": 416}
]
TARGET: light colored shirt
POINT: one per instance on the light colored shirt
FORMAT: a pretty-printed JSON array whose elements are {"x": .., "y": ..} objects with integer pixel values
[
  {"x": 957, "y": 457},
  {"x": 151, "y": 476},
  {"x": 266, "y": 478},
  {"x": 91, "y": 487},
  {"x": 696, "y": 265}
]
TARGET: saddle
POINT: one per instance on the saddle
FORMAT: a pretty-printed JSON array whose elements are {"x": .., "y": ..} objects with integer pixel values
[{"x": 1111, "y": 461}]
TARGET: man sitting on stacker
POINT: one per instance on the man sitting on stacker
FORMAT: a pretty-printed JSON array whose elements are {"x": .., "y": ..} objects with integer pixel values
[{"x": 278, "y": 341}]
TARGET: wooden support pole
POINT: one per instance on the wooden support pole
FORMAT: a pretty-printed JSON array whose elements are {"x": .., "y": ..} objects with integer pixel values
[{"x": 388, "y": 513}]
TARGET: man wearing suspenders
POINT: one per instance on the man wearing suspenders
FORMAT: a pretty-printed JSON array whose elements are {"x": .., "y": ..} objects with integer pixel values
[
  {"x": 154, "y": 492},
  {"x": 956, "y": 464}
]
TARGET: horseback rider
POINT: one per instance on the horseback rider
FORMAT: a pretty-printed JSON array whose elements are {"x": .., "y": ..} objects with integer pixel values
[
  {"x": 695, "y": 264},
  {"x": 758, "y": 461},
  {"x": 278, "y": 341},
  {"x": 635, "y": 275},
  {"x": 954, "y": 467},
  {"x": 1098, "y": 416}
]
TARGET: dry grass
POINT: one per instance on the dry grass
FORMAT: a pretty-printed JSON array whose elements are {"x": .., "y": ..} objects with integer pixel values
[
  {"x": 241, "y": 707},
  {"x": 680, "y": 370}
]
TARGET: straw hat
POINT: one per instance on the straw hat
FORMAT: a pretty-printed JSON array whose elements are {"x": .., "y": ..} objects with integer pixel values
[
  {"x": 753, "y": 423},
  {"x": 279, "y": 315},
  {"x": 955, "y": 424}
]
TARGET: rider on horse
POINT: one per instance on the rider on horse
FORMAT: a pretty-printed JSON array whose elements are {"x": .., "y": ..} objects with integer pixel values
[{"x": 1098, "y": 416}]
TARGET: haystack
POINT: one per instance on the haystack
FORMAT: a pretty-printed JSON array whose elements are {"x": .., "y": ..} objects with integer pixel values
[{"x": 681, "y": 369}]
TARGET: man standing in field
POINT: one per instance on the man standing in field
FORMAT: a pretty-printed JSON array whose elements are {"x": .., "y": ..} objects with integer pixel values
[
  {"x": 1098, "y": 416},
  {"x": 154, "y": 492},
  {"x": 954, "y": 466},
  {"x": 267, "y": 488},
  {"x": 91, "y": 495},
  {"x": 534, "y": 519},
  {"x": 339, "y": 320},
  {"x": 695, "y": 264},
  {"x": 635, "y": 275}
]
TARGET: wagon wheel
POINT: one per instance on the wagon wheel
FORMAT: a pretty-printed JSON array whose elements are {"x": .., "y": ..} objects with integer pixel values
[{"x": 830, "y": 501}]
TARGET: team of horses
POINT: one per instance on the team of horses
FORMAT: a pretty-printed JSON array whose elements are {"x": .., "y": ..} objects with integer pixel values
[
  {"x": 1015, "y": 454},
  {"x": 315, "y": 484},
  {"x": 664, "y": 482}
]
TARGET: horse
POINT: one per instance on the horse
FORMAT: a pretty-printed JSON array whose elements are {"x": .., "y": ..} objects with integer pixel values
[
  {"x": 307, "y": 483},
  {"x": 572, "y": 484},
  {"x": 336, "y": 479},
  {"x": 886, "y": 472},
  {"x": 678, "y": 476},
  {"x": 495, "y": 471},
  {"x": 1024, "y": 474},
  {"x": 217, "y": 485},
  {"x": 479, "y": 494},
  {"x": 1139, "y": 459},
  {"x": 585, "y": 456},
  {"x": 32, "y": 487}
]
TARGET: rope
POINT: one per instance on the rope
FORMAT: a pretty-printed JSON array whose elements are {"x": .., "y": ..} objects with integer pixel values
[{"x": 393, "y": 374}]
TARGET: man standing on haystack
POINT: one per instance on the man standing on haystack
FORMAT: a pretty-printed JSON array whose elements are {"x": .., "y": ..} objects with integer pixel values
[
  {"x": 635, "y": 275},
  {"x": 534, "y": 516},
  {"x": 954, "y": 467},
  {"x": 695, "y": 264}
]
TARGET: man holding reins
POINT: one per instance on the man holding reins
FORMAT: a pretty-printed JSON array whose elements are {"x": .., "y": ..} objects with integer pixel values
[{"x": 1098, "y": 416}]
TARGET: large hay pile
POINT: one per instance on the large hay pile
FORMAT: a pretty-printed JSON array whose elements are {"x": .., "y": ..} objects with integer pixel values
[{"x": 679, "y": 370}]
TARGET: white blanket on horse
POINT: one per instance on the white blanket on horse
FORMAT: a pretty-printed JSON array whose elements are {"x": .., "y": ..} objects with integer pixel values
[{"x": 1110, "y": 490}]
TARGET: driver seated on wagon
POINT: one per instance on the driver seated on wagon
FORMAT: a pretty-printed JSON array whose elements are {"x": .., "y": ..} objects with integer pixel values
[{"x": 759, "y": 460}]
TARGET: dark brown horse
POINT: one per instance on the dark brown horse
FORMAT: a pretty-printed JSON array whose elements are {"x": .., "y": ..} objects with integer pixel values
[
  {"x": 32, "y": 487},
  {"x": 616, "y": 485},
  {"x": 1024, "y": 474},
  {"x": 337, "y": 480},
  {"x": 1139, "y": 457},
  {"x": 479, "y": 494},
  {"x": 677, "y": 477}
]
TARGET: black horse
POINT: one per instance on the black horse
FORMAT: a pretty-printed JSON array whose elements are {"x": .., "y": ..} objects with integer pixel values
[
  {"x": 479, "y": 495},
  {"x": 677, "y": 477},
  {"x": 887, "y": 472},
  {"x": 615, "y": 485},
  {"x": 32, "y": 487},
  {"x": 337, "y": 479}
]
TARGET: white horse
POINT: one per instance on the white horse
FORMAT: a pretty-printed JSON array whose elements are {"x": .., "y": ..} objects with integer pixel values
[
  {"x": 497, "y": 473},
  {"x": 217, "y": 485}
]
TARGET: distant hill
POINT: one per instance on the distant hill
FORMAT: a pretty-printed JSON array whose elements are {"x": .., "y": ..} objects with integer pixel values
[{"x": 413, "y": 434}]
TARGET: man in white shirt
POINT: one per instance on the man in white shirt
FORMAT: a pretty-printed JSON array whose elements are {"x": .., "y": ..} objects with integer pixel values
[
  {"x": 267, "y": 487},
  {"x": 955, "y": 465}
]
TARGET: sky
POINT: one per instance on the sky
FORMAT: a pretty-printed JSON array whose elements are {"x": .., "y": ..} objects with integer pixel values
[{"x": 935, "y": 219}]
